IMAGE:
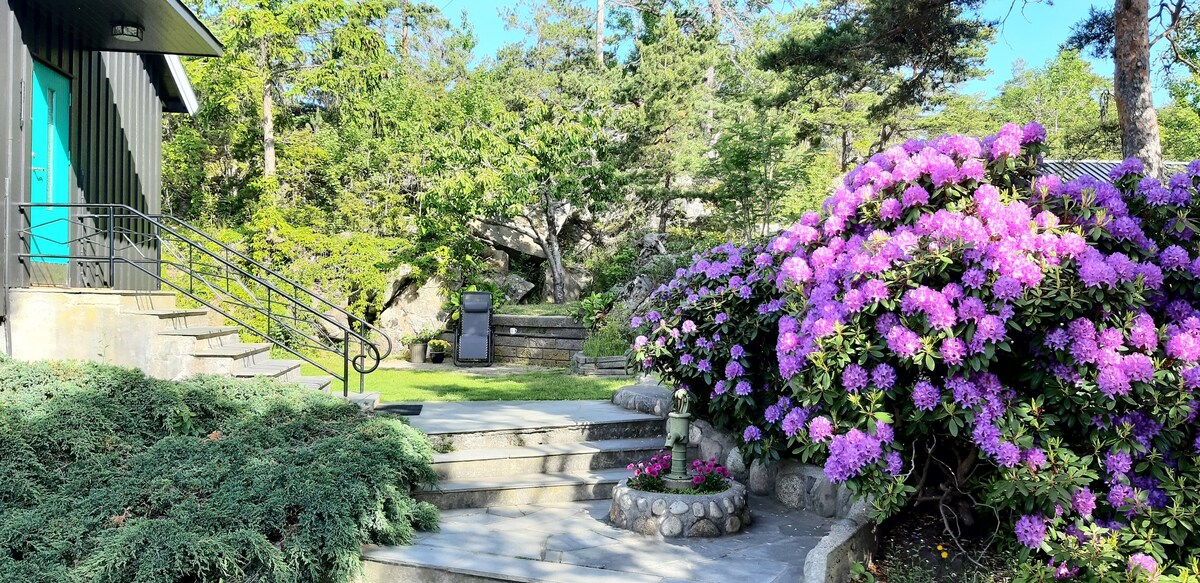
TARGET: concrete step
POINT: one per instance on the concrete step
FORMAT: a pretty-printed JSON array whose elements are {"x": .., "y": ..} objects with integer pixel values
[
  {"x": 236, "y": 350},
  {"x": 430, "y": 564},
  {"x": 284, "y": 370},
  {"x": 457, "y": 426},
  {"x": 524, "y": 437},
  {"x": 524, "y": 489},
  {"x": 318, "y": 383},
  {"x": 207, "y": 336},
  {"x": 226, "y": 358},
  {"x": 164, "y": 314},
  {"x": 553, "y": 458}
]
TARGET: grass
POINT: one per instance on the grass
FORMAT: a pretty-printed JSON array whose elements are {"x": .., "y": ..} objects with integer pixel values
[
  {"x": 454, "y": 385},
  {"x": 567, "y": 309}
]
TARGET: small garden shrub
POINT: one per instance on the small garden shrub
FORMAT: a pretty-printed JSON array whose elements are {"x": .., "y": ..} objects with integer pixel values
[
  {"x": 953, "y": 328},
  {"x": 109, "y": 476}
]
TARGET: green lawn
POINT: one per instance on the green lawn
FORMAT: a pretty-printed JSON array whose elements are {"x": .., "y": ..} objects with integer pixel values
[
  {"x": 567, "y": 309},
  {"x": 452, "y": 385}
]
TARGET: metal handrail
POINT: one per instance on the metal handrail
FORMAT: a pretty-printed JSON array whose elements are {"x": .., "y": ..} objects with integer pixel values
[{"x": 349, "y": 334}]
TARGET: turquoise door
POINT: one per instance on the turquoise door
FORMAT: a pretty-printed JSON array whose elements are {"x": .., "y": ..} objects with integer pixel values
[{"x": 50, "y": 165}]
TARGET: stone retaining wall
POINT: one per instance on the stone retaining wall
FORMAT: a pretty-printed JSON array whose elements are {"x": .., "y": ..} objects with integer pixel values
[
  {"x": 671, "y": 515},
  {"x": 540, "y": 340},
  {"x": 600, "y": 366}
]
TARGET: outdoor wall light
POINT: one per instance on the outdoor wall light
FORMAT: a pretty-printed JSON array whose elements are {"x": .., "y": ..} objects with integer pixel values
[{"x": 128, "y": 32}]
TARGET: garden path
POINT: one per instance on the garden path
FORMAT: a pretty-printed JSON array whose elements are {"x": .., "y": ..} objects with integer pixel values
[
  {"x": 572, "y": 542},
  {"x": 525, "y": 493}
]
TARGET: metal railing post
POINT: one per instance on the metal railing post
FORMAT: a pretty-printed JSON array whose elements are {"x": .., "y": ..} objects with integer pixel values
[
  {"x": 112, "y": 251},
  {"x": 362, "y": 352},
  {"x": 270, "y": 313},
  {"x": 346, "y": 367}
]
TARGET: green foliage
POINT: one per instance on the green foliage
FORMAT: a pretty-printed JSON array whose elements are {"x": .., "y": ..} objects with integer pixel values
[
  {"x": 593, "y": 310},
  {"x": 612, "y": 339},
  {"x": 612, "y": 266},
  {"x": 921, "y": 48},
  {"x": 1071, "y": 101},
  {"x": 114, "y": 477}
]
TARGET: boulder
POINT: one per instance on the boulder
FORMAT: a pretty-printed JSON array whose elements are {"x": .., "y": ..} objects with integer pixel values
[
  {"x": 334, "y": 323},
  {"x": 576, "y": 280},
  {"x": 416, "y": 307},
  {"x": 497, "y": 261},
  {"x": 515, "y": 287},
  {"x": 507, "y": 238}
]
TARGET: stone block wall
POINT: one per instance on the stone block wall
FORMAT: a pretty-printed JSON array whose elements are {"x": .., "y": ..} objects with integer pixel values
[
  {"x": 537, "y": 340},
  {"x": 540, "y": 340}
]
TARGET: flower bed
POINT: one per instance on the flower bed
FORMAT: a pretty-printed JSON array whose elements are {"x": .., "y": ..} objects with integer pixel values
[
  {"x": 673, "y": 515},
  {"x": 955, "y": 328}
]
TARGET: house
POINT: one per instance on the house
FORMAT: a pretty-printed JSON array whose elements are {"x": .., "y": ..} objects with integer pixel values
[
  {"x": 90, "y": 268},
  {"x": 1098, "y": 169}
]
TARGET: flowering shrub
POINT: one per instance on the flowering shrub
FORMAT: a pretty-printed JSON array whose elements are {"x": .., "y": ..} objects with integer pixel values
[
  {"x": 954, "y": 327},
  {"x": 707, "y": 477}
]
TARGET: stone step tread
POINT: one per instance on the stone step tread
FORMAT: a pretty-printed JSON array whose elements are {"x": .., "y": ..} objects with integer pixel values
[
  {"x": 534, "y": 451},
  {"x": 270, "y": 368},
  {"x": 202, "y": 332},
  {"x": 446, "y": 418},
  {"x": 608, "y": 476},
  {"x": 179, "y": 313},
  {"x": 234, "y": 350},
  {"x": 319, "y": 383},
  {"x": 496, "y": 567}
]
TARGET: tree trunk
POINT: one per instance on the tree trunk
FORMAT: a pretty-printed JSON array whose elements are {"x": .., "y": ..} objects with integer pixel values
[
  {"x": 558, "y": 273},
  {"x": 1131, "y": 81},
  {"x": 600, "y": 33},
  {"x": 268, "y": 113}
]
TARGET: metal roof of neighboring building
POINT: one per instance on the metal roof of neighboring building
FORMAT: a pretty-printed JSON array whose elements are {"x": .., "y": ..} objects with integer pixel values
[{"x": 1098, "y": 169}]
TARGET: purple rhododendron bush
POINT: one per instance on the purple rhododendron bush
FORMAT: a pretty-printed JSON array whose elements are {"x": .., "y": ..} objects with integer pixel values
[{"x": 953, "y": 328}]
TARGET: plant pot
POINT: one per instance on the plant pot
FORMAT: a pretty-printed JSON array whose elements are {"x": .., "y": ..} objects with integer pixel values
[
  {"x": 416, "y": 353},
  {"x": 437, "y": 357}
]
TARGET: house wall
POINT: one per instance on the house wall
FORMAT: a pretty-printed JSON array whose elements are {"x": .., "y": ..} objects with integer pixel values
[{"x": 116, "y": 143}]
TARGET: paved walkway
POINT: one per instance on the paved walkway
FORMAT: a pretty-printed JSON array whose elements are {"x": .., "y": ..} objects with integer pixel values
[
  {"x": 473, "y": 416},
  {"x": 573, "y": 542}
]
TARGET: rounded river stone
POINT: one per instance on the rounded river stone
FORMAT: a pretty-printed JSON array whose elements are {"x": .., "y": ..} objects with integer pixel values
[
  {"x": 658, "y": 507},
  {"x": 671, "y": 526},
  {"x": 703, "y": 527}
]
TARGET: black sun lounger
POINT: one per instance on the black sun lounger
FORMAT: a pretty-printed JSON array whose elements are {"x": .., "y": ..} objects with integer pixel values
[{"x": 473, "y": 344}]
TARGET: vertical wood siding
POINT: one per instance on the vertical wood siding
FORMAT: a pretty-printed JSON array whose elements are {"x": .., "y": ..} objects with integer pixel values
[{"x": 116, "y": 140}]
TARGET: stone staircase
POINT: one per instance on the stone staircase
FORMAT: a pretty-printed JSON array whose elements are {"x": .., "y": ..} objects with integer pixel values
[
  {"x": 190, "y": 345},
  {"x": 138, "y": 329},
  {"x": 515, "y": 455}
]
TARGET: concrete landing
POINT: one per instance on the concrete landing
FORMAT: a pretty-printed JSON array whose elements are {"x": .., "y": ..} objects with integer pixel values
[
  {"x": 481, "y": 416},
  {"x": 573, "y": 542}
]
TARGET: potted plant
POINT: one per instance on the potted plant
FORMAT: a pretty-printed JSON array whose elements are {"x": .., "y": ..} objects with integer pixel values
[
  {"x": 418, "y": 342},
  {"x": 437, "y": 350}
]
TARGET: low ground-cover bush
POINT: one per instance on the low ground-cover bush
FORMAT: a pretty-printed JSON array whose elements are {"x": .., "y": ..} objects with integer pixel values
[
  {"x": 109, "y": 476},
  {"x": 954, "y": 328}
]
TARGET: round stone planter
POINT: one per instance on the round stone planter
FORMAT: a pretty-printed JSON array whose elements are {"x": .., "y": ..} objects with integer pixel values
[{"x": 680, "y": 515}]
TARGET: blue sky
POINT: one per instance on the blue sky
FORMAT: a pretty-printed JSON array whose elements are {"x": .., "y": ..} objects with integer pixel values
[{"x": 1031, "y": 33}]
